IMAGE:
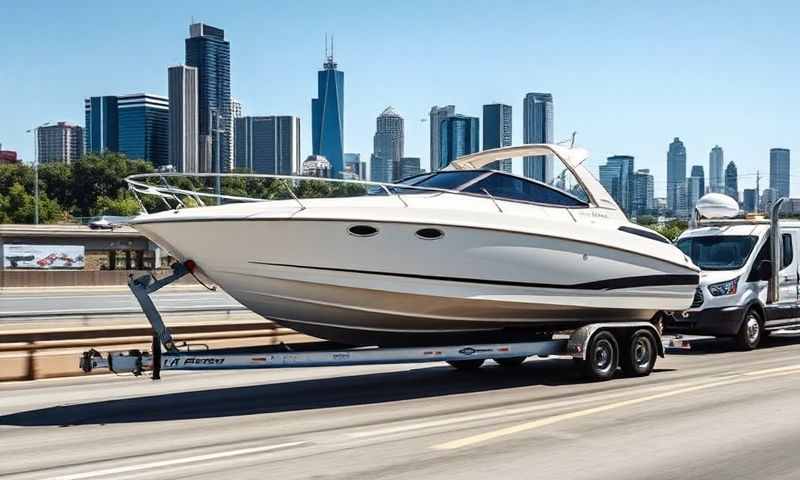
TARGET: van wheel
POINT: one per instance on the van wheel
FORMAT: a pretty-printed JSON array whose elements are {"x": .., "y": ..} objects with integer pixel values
[
  {"x": 602, "y": 357},
  {"x": 639, "y": 357},
  {"x": 751, "y": 331},
  {"x": 466, "y": 364}
]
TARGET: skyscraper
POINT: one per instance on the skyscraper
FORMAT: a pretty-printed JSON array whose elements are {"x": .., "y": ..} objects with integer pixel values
[
  {"x": 749, "y": 200},
  {"x": 497, "y": 132},
  {"x": 694, "y": 189},
  {"x": 537, "y": 127},
  {"x": 61, "y": 142},
  {"x": 352, "y": 164},
  {"x": 209, "y": 52},
  {"x": 234, "y": 112},
  {"x": 697, "y": 171},
  {"x": 268, "y": 144},
  {"x": 388, "y": 146},
  {"x": 409, "y": 166},
  {"x": 327, "y": 114},
  {"x": 458, "y": 136},
  {"x": 779, "y": 171},
  {"x": 617, "y": 178},
  {"x": 143, "y": 128},
  {"x": 183, "y": 119},
  {"x": 102, "y": 124},
  {"x": 643, "y": 192},
  {"x": 676, "y": 175},
  {"x": 768, "y": 197},
  {"x": 437, "y": 115},
  {"x": 716, "y": 182},
  {"x": 732, "y": 181}
]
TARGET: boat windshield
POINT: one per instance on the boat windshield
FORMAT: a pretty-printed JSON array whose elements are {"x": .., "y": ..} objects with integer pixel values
[
  {"x": 509, "y": 187},
  {"x": 718, "y": 252}
]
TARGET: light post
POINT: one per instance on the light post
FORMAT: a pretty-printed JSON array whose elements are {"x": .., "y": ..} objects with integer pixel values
[{"x": 35, "y": 131}]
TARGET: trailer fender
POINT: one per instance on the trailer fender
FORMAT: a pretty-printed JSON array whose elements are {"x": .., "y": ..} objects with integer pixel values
[{"x": 578, "y": 342}]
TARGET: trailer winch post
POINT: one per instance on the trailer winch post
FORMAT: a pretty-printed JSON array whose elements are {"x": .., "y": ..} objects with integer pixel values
[{"x": 142, "y": 287}]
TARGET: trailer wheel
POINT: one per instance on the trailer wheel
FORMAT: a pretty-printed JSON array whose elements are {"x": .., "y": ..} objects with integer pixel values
[
  {"x": 602, "y": 357},
  {"x": 510, "y": 362},
  {"x": 750, "y": 332},
  {"x": 465, "y": 365},
  {"x": 639, "y": 357}
]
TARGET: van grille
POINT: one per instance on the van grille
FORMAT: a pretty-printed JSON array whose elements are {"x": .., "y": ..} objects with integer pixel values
[{"x": 698, "y": 298}]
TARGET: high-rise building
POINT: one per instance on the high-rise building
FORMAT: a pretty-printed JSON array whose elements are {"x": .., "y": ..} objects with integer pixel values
[
  {"x": 643, "y": 191},
  {"x": 409, "y": 166},
  {"x": 61, "y": 142},
  {"x": 497, "y": 132},
  {"x": 537, "y": 127},
  {"x": 694, "y": 190},
  {"x": 716, "y": 181},
  {"x": 234, "y": 112},
  {"x": 617, "y": 178},
  {"x": 268, "y": 145},
  {"x": 144, "y": 128},
  {"x": 676, "y": 174},
  {"x": 697, "y": 171},
  {"x": 209, "y": 52},
  {"x": 327, "y": 114},
  {"x": 458, "y": 136},
  {"x": 749, "y": 201},
  {"x": 183, "y": 119},
  {"x": 732, "y": 181},
  {"x": 8, "y": 157},
  {"x": 437, "y": 115},
  {"x": 779, "y": 171},
  {"x": 768, "y": 197},
  {"x": 352, "y": 164},
  {"x": 102, "y": 124},
  {"x": 388, "y": 146}
]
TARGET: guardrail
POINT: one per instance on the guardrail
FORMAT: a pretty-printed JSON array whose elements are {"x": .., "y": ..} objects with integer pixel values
[{"x": 30, "y": 343}]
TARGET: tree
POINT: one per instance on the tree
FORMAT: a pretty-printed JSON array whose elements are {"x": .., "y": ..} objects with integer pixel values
[
  {"x": 21, "y": 207},
  {"x": 124, "y": 205}
]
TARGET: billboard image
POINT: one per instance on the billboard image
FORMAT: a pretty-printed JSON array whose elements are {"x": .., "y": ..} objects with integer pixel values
[{"x": 44, "y": 256}]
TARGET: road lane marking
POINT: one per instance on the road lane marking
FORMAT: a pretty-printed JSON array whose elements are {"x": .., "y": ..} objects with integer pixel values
[
  {"x": 543, "y": 422},
  {"x": 177, "y": 461}
]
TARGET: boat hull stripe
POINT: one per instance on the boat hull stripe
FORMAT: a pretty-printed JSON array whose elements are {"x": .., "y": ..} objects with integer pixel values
[{"x": 611, "y": 284}]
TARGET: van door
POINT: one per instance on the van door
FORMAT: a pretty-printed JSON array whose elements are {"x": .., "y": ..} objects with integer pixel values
[{"x": 788, "y": 280}]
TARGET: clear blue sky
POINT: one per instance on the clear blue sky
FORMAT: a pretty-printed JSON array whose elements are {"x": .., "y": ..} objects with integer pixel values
[{"x": 627, "y": 76}]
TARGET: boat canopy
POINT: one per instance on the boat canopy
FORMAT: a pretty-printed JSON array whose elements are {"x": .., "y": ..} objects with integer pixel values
[{"x": 571, "y": 158}]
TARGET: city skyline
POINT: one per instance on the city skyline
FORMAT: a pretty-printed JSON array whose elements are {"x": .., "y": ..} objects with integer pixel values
[{"x": 584, "y": 101}]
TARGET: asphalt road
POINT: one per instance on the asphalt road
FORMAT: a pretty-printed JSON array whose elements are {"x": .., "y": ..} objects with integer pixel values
[
  {"x": 31, "y": 304},
  {"x": 715, "y": 414}
]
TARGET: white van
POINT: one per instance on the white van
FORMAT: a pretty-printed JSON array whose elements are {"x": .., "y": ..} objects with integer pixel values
[{"x": 734, "y": 297}]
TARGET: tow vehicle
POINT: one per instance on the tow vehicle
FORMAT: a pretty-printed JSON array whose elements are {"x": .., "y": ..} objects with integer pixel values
[
  {"x": 750, "y": 278},
  {"x": 599, "y": 349}
]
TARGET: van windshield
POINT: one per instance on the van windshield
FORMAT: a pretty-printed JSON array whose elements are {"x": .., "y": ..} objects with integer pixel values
[{"x": 723, "y": 252}]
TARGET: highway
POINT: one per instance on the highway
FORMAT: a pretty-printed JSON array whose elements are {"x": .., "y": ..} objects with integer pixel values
[
  {"x": 32, "y": 304},
  {"x": 708, "y": 414}
]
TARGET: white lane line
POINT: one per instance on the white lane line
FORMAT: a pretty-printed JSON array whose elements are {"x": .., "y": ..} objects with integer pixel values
[
  {"x": 177, "y": 461},
  {"x": 542, "y": 422}
]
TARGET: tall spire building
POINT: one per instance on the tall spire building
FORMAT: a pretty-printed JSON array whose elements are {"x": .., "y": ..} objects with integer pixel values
[
  {"x": 327, "y": 114},
  {"x": 716, "y": 181},
  {"x": 676, "y": 176},
  {"x": 537, "y": 127}
]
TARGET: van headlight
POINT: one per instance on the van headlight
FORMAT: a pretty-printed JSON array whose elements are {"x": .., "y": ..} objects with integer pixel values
[{"x": 724, "y": 288}]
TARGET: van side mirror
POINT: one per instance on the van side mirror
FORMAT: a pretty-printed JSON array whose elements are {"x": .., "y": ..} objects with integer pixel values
[{"x": 764, "y": 270}]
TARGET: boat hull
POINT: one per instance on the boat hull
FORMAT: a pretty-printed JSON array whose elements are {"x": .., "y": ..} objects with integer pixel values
[{"x": 397, "y": 289}]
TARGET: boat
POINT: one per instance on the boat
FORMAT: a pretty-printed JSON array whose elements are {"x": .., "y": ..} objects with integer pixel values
[{"x": 463, "y": 255}]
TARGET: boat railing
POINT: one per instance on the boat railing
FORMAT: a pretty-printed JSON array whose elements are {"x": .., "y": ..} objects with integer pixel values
[{"x": 175, "y": 196}]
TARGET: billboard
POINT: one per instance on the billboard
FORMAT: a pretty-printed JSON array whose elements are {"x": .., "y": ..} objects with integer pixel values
[{"x": 44, "y": 256}]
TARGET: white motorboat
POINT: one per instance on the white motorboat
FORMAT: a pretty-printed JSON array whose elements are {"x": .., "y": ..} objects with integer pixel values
[{"x": 461, "y": 255}]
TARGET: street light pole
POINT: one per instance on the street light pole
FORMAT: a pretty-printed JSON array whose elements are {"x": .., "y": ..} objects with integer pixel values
[{"x": 35, "y": 131}]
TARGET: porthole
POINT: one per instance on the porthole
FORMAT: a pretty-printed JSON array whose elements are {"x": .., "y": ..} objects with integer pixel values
[
  {"x": 362, "y": 230},
  {"x": 430, "y": 233}
]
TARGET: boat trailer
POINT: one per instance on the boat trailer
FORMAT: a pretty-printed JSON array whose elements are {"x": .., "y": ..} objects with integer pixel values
[{"x": 167, "y": 355}]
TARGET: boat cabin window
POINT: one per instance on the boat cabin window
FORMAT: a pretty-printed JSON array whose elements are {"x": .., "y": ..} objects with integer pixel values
[
  {"x": 445, "y": 180},
  {"x": 505, "y": 186}
]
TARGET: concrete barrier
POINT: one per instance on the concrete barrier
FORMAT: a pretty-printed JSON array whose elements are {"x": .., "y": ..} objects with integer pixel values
[
  {"x": 32, "y": 354},
  {"x": 76, "y": 278}
]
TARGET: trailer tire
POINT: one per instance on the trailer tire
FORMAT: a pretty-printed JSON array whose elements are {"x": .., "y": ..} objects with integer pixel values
[
  {"x": 466, "y": 365},
  {"x": 751, "y": 331},
  {"x": 639, "y": 357},
  {"x": 510, "y": 362},
  {"x": 602, "y": 356}
]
